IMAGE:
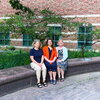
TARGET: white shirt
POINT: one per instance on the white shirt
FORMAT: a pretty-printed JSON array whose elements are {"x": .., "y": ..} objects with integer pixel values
[{"x": 65, "y": 52}]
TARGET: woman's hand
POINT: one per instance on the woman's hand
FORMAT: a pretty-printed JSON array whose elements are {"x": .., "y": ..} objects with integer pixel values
[
  {"x": 59, "y": 60},
  {"x": 39, "y": 64},
  {"x": 50, "y": 61}
]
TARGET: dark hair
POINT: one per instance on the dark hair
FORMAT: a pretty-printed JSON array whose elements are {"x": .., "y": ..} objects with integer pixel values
[{"x": 47, "y": 42}]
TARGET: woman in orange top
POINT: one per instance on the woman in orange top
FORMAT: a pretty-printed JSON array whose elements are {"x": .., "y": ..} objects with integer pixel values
[{"x": 50, "y": 55}]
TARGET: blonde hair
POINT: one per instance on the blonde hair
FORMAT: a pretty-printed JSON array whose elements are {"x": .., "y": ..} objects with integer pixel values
[{"x": 36, "y": 40}]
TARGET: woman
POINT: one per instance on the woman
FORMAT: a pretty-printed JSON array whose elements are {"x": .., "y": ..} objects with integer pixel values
[
  {"x": 37, "y": 58},
  {"x": 50, "y": 55},
  {"x": 62, "y": 59}
]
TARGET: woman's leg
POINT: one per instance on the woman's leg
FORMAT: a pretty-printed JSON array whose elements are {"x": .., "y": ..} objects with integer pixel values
[
  {"x": 54, "y": 70},
  {"x": 62, "y": 73},
  {"x": 59, "y": 72},
  {"x": 50, "y": 74},
  {"x": 38, "y": 71},
  {"x": 54, "y": 75},
  {"x": 49, "y": 68},
  {"x": 44, "y": 72}
]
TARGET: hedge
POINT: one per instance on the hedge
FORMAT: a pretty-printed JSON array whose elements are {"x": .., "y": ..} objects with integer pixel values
[
  {"x": 78, "y": 54},
  {"x": 12, "y": 59},
  {"x": 15, "y": 58}
]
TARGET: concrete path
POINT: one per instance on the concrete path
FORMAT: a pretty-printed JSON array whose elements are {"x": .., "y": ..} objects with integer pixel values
[{"x": 79, "y": 87}]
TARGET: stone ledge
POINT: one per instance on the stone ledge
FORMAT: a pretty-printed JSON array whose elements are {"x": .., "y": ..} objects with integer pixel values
[
  {"x": 14, "y": 79},
  {"x": 15, "y": 73},
  {"x": 83, "y": 65},
  {"x": 83, "y": 61},
  {"x": 17, "y": 78}
]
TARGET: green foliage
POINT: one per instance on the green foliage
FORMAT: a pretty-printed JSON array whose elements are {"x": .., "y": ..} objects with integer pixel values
[
  {"x": 96, "y": 34},
  {"x": 4, "y": 28},
  {"x": 87, "y": 54},
  {"x": 22, "y": 9},
  {"x": 15, "y": 58},
  {"x": 10, "y": 59},
  {"x": 12, "y": 48}
]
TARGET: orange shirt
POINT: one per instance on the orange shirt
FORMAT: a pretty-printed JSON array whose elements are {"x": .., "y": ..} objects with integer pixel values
[{"x": 46, "y": 52}]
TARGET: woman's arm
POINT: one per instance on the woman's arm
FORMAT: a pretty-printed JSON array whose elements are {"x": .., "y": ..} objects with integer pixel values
[
  {"x": 45, "y": 54},
  {"x": 32, "y": 59},
  {"x": 42, "y": 59},
  {"x": 54, "y": 59},
  {"x": 55, "y": 55},
  {"x": 47, "y": 59},
  {"x": 65, "y": 54}
]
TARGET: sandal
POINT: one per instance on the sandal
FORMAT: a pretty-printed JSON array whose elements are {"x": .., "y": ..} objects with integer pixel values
[
  {"x": 45, "y": 84},
  {"x": 59, "y": 79},
  {"x": 39, "y": 85},
  {"x": 62, "y": 80}
]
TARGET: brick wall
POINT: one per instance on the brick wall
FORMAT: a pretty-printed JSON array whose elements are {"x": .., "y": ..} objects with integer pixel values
[{"x": 63, "y": 7}]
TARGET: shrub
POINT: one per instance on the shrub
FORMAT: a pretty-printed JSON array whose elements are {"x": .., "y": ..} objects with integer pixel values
[
  {"x": 10, "y": 48},
  {"x": 15, "y": 58},
  {"x": 12, "y": 59},
  {"x": 78, "y": 54}
]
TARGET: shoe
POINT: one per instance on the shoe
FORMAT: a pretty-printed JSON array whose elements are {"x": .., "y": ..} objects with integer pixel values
[
  {"x": 59, "y": 79},
  {"x": 39, "y": 85},
  {"x": 51, "y": 81},
  {"x": 62, "y": 80},
  {"x": 45, "y": 84},
  {"x": 54, "y": 82}
]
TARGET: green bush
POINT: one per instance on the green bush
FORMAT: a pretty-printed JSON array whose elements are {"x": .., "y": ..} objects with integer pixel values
[
  {"x": 10, "y": 48},
  {"x": 12, "y": 59},
  {"x": 78, "y": 54},
  {"x": 15, "y": 58}
]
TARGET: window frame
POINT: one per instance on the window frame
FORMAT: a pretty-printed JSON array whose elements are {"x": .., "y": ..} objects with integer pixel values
[
  {"x": 4, "y": 38},
  {"x": 86, "y": 31},
  {"x": 27, "y": 40}
]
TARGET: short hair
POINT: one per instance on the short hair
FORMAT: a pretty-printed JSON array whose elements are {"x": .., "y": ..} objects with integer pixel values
[
  {"x": 36, "y": 40},
  {"x": 61, "y": 40}
]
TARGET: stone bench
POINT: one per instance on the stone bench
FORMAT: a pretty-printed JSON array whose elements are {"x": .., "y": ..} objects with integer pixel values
[
  {"x": 16, "y": 78},
  {"x": 83, "y": 65}
]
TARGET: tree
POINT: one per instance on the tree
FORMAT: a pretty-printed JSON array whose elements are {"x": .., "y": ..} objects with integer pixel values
[{"x": 33, "y": 22}]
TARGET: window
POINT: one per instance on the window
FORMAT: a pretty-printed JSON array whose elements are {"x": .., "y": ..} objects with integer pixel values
[
  {"x": 55, "y": 31},
  {"x": 27, "y": 40},
  {"x": 85, "y": 37},
  {"x": 4, "y": 39}
]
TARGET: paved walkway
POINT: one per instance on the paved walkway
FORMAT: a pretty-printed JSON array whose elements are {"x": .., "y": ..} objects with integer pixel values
[{"x": 79, "y": 87}]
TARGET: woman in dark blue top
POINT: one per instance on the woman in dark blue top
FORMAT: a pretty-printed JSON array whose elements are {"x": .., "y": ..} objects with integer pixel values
[{"x": 37, "y": 58}]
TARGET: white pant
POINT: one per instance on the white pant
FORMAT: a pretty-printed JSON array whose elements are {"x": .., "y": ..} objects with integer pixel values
[{"x": 38, "y": 70}]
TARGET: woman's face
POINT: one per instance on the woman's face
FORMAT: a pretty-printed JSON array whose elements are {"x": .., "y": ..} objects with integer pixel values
[
  {"x": 60, "y": 43},
  {"x": 37, "y": 45},
  {"x": 49, "y": 43}
]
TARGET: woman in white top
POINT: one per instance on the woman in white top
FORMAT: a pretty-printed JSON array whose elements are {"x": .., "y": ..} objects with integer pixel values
[{"x": 62, "y": 59}]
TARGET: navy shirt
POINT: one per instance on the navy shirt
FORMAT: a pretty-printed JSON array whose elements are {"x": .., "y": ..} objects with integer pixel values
[{"x": 37, "y": 54}]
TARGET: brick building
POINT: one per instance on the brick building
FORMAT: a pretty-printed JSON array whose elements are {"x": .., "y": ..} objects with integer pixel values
[{"x": 83, "y": 10}]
